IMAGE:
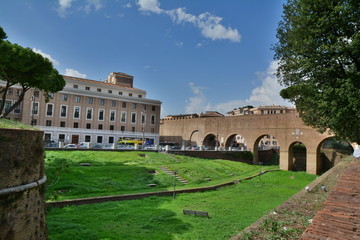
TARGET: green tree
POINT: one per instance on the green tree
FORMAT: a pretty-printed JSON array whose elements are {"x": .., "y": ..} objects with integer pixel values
[
  {"x": 318, "y": 52},
  {"x": 22, "y": 66}
]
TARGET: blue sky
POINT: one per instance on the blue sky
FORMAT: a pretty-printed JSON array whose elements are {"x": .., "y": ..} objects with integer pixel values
[{"x": 194, "y": 56}]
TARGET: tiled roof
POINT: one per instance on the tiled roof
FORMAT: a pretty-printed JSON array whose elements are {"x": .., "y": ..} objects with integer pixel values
[
  {"x": 99, "y": 83},
  {"x": 340, "y": 217}
]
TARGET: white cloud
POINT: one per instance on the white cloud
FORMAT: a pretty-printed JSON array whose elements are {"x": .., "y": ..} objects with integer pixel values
[
  {"x": 179, "y": 43},
  {"x": 265, "y": 94},
  {"x": 74, "y": 73},
  {"x": 209, "y": 25},
  {"x": 149, "y": 6},
  {"x": 45, "y": 55},
  {"x": 65, "y": 5}
]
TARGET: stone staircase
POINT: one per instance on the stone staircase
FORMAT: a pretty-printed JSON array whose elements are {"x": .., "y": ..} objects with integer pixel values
[{"x": 171, "y": 173}]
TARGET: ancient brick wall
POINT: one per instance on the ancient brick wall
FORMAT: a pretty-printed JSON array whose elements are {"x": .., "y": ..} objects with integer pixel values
[{"x": 21, "y": 185}]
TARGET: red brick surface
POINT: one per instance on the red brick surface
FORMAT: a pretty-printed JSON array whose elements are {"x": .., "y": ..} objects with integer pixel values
[{"x": 340, "y": 217}]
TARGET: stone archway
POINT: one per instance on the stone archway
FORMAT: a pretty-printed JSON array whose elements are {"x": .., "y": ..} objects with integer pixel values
[
  {"x": 266, "y": 150},
  {"x": 210, "y": 141},
  {"x": 297, "y": 156},
  {"x": 194, "y": 138},
  {"x": 235, "y": 141},
  {"x": 330, "y": 151}
]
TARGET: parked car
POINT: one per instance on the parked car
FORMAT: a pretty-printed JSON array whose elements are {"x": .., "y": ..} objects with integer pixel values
[
  {"x": 70, "y": 146},
  {"x": 97, "y": 146}
]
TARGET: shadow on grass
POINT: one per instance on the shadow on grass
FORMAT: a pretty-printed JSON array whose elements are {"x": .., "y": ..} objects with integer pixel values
[{"x": 136, "y": 219}]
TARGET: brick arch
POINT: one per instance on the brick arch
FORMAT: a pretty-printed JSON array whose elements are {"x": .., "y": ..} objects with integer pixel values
[
  {"x": 210, "y": 140},
  {"x": 192, "y": 139},
  {"x": 230, "y": 137}
]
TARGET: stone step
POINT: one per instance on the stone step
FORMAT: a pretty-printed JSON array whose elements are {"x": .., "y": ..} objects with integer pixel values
[{"x": 171, "y": 173}]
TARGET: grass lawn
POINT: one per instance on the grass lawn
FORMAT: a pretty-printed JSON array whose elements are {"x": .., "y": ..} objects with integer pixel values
[
  {"x": 231, "y": 209},
  {"x": 114, "y": 173}
]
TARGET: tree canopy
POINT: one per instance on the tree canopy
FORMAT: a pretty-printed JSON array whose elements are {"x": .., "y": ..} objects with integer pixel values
[
  {"x": 318, "y": 52},
  {"x": 22, "y": 66}
]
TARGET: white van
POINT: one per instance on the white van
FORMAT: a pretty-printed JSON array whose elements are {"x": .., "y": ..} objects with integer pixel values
[{"x": 84, "y": 145}]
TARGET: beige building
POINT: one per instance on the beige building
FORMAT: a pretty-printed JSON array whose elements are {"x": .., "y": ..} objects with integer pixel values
[
  {"x": 271, "y": 109},
  {"x": 91, "y": 111}
]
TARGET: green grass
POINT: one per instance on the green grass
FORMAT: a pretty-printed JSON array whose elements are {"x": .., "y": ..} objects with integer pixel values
[
  {"x": 114, "y": 173},
  {"x": 231, "y": 209},
  {"x": 5, "y": 123}
]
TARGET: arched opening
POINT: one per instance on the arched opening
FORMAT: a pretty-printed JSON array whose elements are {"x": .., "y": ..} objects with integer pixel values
[
  {"x": 235, "y": 142},
  {"x": 331, "y": 151},
  {"x": 266, "y": 150},
  {"x": 194, "y": 138},
  {"x": 210, "y": 142},
  {"x": 297, "y": 156}
]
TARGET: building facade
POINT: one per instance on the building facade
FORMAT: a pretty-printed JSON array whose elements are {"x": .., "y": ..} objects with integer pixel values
[
  {"x": 271, "y": 109},
  {"x": 91, "y": 111}
]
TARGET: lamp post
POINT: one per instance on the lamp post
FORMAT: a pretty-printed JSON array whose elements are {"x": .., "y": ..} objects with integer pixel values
[
  {"x": 33, "y": 109},
  {"x": 143, "y": 121}
]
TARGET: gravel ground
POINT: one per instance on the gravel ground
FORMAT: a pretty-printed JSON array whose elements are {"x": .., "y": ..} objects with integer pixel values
[{"x": 290, "y": 219}]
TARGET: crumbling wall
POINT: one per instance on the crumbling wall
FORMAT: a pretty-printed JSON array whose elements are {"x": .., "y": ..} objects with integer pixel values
[{"x": 22, "y": 185}]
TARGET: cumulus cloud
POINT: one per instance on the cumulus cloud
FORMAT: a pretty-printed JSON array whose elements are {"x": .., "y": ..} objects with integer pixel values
[
  {"x": 65, "y": 5},
  {"x": 265, "y": 94},
  {"x": 45, "y": 55},
  {"x": 210, "y": 25},
  {"x": 74, "y": 73}
]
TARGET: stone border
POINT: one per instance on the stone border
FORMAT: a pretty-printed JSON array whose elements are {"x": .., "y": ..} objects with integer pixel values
[
  {"x": 82, "y": 201},
  {"x": 23, "y": 187}
]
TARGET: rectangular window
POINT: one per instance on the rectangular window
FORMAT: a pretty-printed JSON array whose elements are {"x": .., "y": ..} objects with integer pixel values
[
  {"x": 61, "y": 137},
  {"x": 143, "y": 118},
  {"x": 77, "y": 98},
  {"x": 48, "y": 123},
  {"x": 87, "y": 88},
  {"x": 87, "y": 138},
  {"x": 100, "y": 127},
  {"x": 98, "y": 90},
  {"x": 122, "y": 128},
  {"x": 153, "y": 108},
  {"x": 112, "y": 115},
  {"x": 99, "y": 139},
  {"x": 10, "y": 92},
  {"x": 76, "y": 125},
  {"x": 101, "y": 114},
  {"x": 120, "y": 93},
  {"x": 102, "y": 102},
  {"x": 133, "y": 106},
  {"x": 152, "y": 130},
  {"x": 64, "y": 97},
  {"x": 36, "y": 93},
  {"x": 88, "y": 126},
  {"x": 17, "y": 109},
  {"x": 130, "y": 94},
  {"x": 75, "y": 86},
  {"x": 89, "y": 113},
  {"x": 152, "y": 120},
  {"x": 111, "y": 127},
  {"x": 133, "y": 129},
  {"x": 111, "y": 139},
  {"x": 133, "y": 117},
  {"x": 49, "y": 109},
  {"x": 63, "y": 111},
  {"x": 77, "y": 112},
  {"x": 90, "y": 100},
  {"x": 123, "y": 117},
  {"x": 8, "y": 104},
  {"x": 51, "y": 95},
  {"x": 62, "y": 124},
  {"x": 144, "y": 107},
  {"x": 34, "y": 107},
  {"x": 124, "y": 104},
  {"x": 110, "y": 91},
  {"x": 18, "y": 92},
  {"x": 140, "y": 96},
  {"x": 113, "y": 103}
]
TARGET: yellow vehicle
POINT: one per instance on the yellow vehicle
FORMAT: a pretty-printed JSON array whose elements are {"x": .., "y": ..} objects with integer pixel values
[{"x": 130, "y": 141}]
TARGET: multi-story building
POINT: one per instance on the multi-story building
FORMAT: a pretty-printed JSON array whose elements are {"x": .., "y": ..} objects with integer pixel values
[
  {"x": 271, "y": 109},
  {"x": 91, "y": 111}
]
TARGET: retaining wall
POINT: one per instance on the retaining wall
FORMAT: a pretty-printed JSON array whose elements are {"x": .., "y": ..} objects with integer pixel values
[{"x": 21, "y": 185}]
